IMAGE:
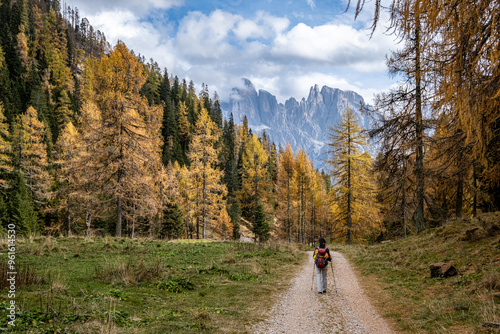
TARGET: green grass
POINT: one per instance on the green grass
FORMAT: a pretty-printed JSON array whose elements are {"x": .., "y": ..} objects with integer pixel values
[
  {"x": 397, "y": 277},
  {"x": 108, "y": 285}
]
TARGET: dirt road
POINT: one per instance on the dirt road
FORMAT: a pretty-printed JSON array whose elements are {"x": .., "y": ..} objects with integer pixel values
[{"x": 346, "y": 310}]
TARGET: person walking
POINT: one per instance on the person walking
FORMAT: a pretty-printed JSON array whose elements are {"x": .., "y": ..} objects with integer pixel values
[{"x": 321, "y": 258}]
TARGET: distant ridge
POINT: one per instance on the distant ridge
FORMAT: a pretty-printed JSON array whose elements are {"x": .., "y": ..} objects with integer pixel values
[{"x": 303, "y": 123}]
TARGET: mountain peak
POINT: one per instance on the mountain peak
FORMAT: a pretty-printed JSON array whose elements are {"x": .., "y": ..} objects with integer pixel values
[
  {"x": 303, "y": 124},
  {"x": 248, "y": 84}
]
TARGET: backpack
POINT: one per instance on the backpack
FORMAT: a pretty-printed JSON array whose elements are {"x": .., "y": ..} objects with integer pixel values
[{"x": 321, "y": 258}]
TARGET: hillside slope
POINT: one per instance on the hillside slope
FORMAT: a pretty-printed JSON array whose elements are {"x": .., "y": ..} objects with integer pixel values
[{"x": 397, "y": 277}]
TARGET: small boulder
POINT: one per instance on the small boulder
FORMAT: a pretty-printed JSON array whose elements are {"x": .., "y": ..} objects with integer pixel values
[{"x": 442, "y": 270}]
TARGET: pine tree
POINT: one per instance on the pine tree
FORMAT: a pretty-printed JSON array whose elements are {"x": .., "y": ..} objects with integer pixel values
[
  {"x": 260, "y": 226},
  {"x": 7, "y": 91},
  {"x": 22, "y": 212},
  {"x": 230, "y": 167},
  {"x": 173, "y": 222}
]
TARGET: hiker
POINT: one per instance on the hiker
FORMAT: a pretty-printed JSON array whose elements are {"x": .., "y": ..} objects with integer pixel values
[{"x": 321, "y": 258}]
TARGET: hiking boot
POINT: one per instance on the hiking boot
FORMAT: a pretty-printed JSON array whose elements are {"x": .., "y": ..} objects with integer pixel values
[
  {"x": 324, "y": 291},
  {"x": 320, "y": 292}
]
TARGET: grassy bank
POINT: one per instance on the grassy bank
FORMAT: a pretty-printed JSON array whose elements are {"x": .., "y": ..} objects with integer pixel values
[
  {"x": 108, "y": 285},
  {"x": 397, "y": 277}
]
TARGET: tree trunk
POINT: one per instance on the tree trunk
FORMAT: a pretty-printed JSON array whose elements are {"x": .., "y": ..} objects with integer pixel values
[
  {"x": 119, "y": 218},
  {"x": 419, "y": 162},
  {"x": 460, "y": 183},
  {"x": 349, "y": 198},
  {"x": 403, "y": 204},
  {"x": 187, "y": 212},
  {"x": 88, "y": 222},
  {"x": 289, "y": 223},
  {"x": 68, "y": 218},
  {"x": 474, "y": 203},
  {"x": 119, "y": 200}
]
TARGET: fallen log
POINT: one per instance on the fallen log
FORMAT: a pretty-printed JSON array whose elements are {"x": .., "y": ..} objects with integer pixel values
[{"x": 489, "y": 324}]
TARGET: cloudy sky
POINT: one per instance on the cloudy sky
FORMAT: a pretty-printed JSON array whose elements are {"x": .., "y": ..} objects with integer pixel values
[{"x": 282, "y": 46}]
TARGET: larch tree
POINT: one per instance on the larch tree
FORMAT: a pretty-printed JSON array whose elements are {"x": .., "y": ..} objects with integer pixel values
[
  {"x": 346, "y": 161},
  {"x": 31, "y": 155},
  {"x": 5, "y": 165},
  {"x": 30, "y": 159},
  {"x": 255, "y": 182},
  {"x": 395, "y": 132},
  {"x": 126, "y": 148},
  {"x": 285, "y": 187},
  {"x": 66, "y": 165},
  {"x": 86, "y": 166},
  {"x": 204, "y": 173},
  {"x": 5, "y": 152},
  {"x": 186, "y": 193},
  {"x": 303, "y": 177}
]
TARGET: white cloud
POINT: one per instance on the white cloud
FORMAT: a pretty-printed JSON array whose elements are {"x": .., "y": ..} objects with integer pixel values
[
  {"x": 119, "y": 24},
  {"x": 247, "y": 29},
  {"x": 220, "y": 48},
  {"x": 200, "y": 36},
  {"x": 93, "y": 7},
  {"x": 335, "y": 45},
  {"x": 311, "y": 4}
]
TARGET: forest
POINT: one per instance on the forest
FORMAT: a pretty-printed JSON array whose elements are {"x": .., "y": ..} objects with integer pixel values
[{"x": 96, "y": 140}]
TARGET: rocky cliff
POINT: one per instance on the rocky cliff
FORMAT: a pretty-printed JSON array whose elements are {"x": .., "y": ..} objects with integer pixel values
[{"x": 305, "y": 123}]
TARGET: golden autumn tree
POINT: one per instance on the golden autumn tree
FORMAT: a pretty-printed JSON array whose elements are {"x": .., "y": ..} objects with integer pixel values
[
  {"x": 255, "y": 181},
  {"x": 186, "y": 193},
  {"x": 31, "y": 163},
  {"x": 322, "y": 211},
  {"x": 5, "y": 150},
  {"x": 303, "y": 176},
  {"x": 125, "y": 142},
  {"x": 285, "y": 187},
  {"x": 86, "y": 166},
  {"x": 224, "y": 225},
  {"x": 350, "y": 169},
  {"x": 319, "y": 207},
  {"x": 204, "y": 172},
  {"x": 31, "y": 155},
  {"x": 455, "y": 48},
  {"x": 67, "y": 153}
]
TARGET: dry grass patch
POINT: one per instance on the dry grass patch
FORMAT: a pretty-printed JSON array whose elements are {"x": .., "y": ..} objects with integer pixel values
[{"x": 396, "y": 276}]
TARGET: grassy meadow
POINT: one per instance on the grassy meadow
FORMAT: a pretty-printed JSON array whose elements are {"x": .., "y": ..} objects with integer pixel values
[
  {"x": 396, "y": 276},
  {"x": 110, "y": 285}
]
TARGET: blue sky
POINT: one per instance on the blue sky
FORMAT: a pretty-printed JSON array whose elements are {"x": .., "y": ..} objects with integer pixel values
[{"x": 284, "y": 47}]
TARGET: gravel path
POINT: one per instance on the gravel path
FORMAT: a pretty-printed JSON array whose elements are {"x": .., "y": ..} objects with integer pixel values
[{"x": 302, "y": 310}]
